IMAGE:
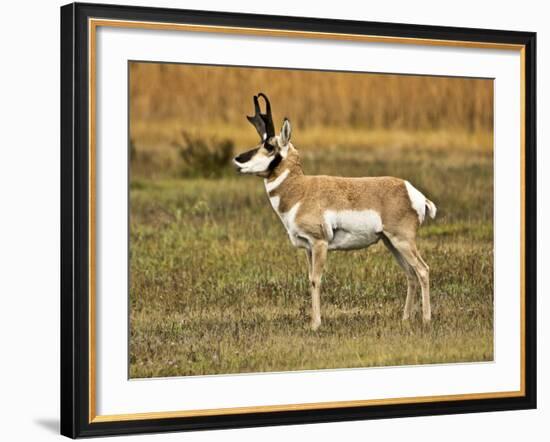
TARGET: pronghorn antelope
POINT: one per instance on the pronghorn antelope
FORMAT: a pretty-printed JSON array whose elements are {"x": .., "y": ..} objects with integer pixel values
[{"x": 323, "y": 213}]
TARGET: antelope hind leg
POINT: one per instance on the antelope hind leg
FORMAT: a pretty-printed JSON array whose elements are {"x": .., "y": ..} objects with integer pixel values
[
  {"x": 408, "y": 251},
  {"x": 412, "y": 279}
]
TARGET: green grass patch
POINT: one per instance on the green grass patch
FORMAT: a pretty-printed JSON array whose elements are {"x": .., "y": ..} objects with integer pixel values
[{"x": 216, "y": 287}]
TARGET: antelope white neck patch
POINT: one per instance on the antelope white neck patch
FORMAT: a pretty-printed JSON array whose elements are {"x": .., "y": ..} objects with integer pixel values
[
  {"x": 275, "y": 201},
  {"x": 272, "y": 185}
]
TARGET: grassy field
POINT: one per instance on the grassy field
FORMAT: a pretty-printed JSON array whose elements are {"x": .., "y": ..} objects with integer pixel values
[{"x": 216, "y": 287}]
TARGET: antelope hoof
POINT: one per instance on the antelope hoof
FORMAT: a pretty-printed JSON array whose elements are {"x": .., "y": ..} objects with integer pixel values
[{"x": 315, "y": 325}]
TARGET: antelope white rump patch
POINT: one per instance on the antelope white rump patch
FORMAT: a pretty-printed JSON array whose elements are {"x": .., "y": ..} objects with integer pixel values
[
  {"x": 418, "y": 201},
  {"x": 352, "y": 229}
]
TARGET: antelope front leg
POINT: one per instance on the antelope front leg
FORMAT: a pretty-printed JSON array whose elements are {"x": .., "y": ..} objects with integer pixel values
[
  {"x": 318, "y": 259},
  {"x": 308, "y": 257}
]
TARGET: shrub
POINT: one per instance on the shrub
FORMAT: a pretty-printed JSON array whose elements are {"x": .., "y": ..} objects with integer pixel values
[{"x": 204, "y": 158}]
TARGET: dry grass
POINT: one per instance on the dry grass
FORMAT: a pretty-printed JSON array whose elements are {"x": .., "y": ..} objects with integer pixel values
[
  {"x": 331, "y": 111},
  {"x": 156, "y": 156},
  {"x": 207, "y": 94}
]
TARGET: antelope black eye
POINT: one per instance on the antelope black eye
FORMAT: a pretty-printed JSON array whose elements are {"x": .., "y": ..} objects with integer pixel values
[{"x": 269, "y": 147}]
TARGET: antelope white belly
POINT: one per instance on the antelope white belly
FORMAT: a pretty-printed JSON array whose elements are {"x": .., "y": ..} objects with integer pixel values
[{"x": 352, "y": 229}]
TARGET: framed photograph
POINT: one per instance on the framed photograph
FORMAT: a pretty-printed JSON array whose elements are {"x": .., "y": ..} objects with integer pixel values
[{"x": 274, "y": 220}]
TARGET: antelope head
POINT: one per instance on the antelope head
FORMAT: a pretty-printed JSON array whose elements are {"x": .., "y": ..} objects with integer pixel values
[{"x": 265, "y": 156}]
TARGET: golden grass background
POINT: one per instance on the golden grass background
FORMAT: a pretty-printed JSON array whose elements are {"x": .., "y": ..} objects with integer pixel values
[
  {"x": 199, "y": 95},
  {"x": 327, "y": 109}
]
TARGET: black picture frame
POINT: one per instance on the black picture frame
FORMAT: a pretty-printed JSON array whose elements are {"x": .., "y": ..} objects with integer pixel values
[{"x": 75, "y": 194}]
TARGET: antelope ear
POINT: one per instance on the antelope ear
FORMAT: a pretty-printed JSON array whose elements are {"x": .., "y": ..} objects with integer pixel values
[{"x": 286, "y": 132}]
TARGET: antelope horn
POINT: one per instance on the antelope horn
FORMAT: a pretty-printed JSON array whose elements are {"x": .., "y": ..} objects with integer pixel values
[
  {"x": 268, "y": 118},
  {"x": 257, "y": 121},
  {"x": 262, "y": 122}
]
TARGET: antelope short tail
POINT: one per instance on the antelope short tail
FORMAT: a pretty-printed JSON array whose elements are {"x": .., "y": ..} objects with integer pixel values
[
  {"x": 420, "y": 203},
  {"x": 432, "y": 210}
]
